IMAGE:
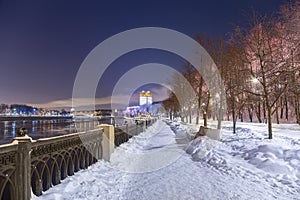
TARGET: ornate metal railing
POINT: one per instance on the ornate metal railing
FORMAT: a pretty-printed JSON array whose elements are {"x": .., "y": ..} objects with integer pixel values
[
  {"x": 36, "y": 165},
  {"x": 8, "y": 162},
  {"x": 28, "y": 165}
]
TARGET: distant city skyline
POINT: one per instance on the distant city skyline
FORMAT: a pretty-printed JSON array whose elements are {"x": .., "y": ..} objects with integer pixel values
[{"x": 43, "y": 43}]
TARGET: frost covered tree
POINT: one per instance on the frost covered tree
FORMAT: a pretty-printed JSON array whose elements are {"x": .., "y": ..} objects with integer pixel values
[
  {"x": 182, "y": 88},
  {"x": 290, "y": 52},
  {"x": 171, "y": 106},
  {"x": 261, "y": 54}
]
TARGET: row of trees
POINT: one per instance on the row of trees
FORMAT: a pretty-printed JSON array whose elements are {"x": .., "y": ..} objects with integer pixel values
[{"x": 260, "y": 67}]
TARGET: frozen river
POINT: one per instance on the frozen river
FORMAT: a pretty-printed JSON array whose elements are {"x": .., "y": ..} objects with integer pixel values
[{"x": 44, "y": 128}]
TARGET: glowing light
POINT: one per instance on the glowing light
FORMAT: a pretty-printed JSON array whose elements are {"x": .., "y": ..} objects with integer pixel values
[{"x": 255, "y": 80}]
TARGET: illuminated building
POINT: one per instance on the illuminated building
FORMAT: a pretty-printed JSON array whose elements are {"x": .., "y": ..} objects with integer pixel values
[{"x": 145, "y": 98}]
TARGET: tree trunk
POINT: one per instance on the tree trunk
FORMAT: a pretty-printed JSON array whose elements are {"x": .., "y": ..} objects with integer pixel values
[
  {"x": 206, "y": 110},
  {"x": 297, "y": 109},
  {"x": 258, "y": 113},
  {"x": 220, "y": 112},
  {"x": 241, "y": 117},
  {"x": 205, "y": 119},
  {"x": 199, "y": 100},
  {"x": 277, "y": 115},
  {"x": 220, "y": 118},
  {"x": 182, "y": 117},
  {"x": 250, "y": 114},
  {"x": 286, "y": 109},
  {"x": 281, "y": 108},
  {"x": 270, "y": 123},
  {"x": 264, "y": 109},
  {"x": 190, "y": 115},
  {"x": 234, "y": 126},
  {"x": 233, "y": 119}
]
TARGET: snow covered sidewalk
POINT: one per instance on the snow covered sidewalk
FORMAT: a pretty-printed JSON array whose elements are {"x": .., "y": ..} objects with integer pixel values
[{"x": 154, "y": 165}]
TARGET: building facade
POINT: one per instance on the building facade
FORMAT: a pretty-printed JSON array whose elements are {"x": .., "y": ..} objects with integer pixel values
[{"x": 145, "y": 98}]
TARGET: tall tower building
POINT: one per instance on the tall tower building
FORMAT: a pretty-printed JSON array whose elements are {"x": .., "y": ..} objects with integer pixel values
[{"x": 145, "y": 98}]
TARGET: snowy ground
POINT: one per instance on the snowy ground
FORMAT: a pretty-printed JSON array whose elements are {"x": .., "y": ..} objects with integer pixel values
[{"x": 161, "y": 163}]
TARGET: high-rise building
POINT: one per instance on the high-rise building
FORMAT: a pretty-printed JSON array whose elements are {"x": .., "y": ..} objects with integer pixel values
[{"x": 145, "y": 98}]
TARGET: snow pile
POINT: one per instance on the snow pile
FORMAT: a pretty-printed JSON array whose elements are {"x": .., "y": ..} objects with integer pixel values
[
  {"x": 200, "y": 148},
  {"x": 276, "y": 161},
  {"x": 268, "y": 158}
]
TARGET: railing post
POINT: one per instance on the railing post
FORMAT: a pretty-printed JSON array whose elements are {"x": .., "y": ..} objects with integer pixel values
[
  {"x": 108, "y": 141},
  {"x": 23, "y": 166}
]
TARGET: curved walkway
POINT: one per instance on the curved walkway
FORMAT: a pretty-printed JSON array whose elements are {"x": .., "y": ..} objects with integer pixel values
[{"x": 154, "y": 166}]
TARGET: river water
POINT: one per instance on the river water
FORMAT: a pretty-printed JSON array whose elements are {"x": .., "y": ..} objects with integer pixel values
[{"x": 44, "y": 128}]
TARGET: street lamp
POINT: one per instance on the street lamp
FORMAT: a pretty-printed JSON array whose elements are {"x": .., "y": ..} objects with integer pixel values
[
  {"x": 255, "y": 85},
  {"x": 255, "y": 80}
]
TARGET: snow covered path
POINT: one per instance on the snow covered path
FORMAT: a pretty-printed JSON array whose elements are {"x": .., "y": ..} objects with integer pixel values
[{"x": 154, "y": 165}]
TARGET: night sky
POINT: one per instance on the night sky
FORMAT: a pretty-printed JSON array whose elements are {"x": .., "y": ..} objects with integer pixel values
[{"x": 43, "y": 42}]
